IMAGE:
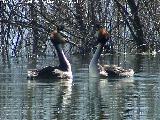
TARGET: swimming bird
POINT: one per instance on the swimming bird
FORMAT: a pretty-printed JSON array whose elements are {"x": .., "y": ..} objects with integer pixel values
[
  {"x": 63, "y": 71},
  {"x": 95, "y": 69}
]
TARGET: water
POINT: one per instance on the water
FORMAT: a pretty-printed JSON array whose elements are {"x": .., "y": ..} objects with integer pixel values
[{"x": 82, "y": 98}]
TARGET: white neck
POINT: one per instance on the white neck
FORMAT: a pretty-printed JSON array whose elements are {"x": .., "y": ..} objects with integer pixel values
[
  {"x": 93, "y": 66},
  {"x": 64, "y": 63}
]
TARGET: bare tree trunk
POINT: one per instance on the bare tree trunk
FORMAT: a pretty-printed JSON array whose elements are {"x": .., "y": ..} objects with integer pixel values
[
  {"x": 137, "y": 26},
  {"x": 136, "y": 31},
  {"x": 34, "y": 29},
  {"x": 80, "y": 17},
  {"x": 4, "y": 42}
]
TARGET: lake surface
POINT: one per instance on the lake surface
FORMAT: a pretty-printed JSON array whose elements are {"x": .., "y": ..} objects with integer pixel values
[{"x": 82, "y": 98}]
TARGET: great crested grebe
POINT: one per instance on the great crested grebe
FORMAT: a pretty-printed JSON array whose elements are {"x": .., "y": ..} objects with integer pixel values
[
  {"x": 63, "y": 71},
  {"x": 95, "y": 69}
]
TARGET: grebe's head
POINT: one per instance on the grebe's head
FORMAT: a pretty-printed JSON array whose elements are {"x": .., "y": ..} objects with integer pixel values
[
  {"x": 56, "y": 37},
  {"x": 103, "y": 36}
]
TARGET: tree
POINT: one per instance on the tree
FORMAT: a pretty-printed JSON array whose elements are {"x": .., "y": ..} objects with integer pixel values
[{"x": 132, "y": 24}]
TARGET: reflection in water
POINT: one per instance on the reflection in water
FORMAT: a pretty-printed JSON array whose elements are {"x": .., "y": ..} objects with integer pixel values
[
  {"x": 82, "y": 98},
  {"x": 49, "y": 100},
  {"x": 117, "y": 98}
]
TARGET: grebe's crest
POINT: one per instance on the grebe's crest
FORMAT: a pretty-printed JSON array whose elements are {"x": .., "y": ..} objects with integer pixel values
[
  {"x": 56, "y": 38},
  {"x": 103, "y": 35}
]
